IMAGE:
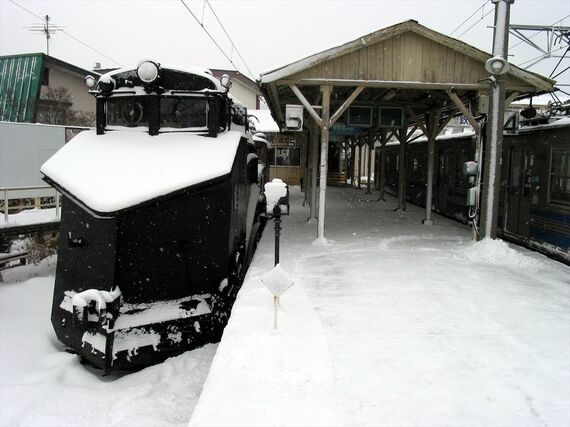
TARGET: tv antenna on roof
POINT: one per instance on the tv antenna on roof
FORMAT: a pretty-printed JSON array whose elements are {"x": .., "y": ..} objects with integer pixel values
[{"x": 46, "y": 29}]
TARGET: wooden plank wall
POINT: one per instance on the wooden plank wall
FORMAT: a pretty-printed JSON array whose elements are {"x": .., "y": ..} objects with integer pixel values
[{"x": 403, "y": 57}]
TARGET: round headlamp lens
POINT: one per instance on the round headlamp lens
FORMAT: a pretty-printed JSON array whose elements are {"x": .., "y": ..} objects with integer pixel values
[
  {"x": 90, "y": 82},
  {"x": 147, "y": 71}
]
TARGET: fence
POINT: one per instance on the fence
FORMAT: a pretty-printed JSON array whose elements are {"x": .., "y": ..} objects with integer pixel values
[{"x": 39, "y": 202}]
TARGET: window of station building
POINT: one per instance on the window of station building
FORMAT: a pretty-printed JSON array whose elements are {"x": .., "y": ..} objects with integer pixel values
[
  {"x": 559, "y": 188},
  {"x": 285, "y": 156},
  {"x": 45, "y": 77}
]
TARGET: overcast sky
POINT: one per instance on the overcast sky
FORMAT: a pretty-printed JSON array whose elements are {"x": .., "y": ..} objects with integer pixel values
[{"x": 266, "y": 33}]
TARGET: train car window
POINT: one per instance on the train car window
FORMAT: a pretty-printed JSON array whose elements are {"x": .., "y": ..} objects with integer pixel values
[
  {"x": 559, "y": 191},
  {"x": 461, "y": 180},
  {"x": 127, "y": 111},
  {"x": 183, "y": 112},
  {"x": 418, "y": 166}
]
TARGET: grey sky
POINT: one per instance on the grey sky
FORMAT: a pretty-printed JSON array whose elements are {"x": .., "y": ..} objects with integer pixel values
[{"x": 267, "y": 33}]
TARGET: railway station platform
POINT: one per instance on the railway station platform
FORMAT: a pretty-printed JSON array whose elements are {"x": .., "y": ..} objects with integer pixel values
[{"x": 392, "y": 322}]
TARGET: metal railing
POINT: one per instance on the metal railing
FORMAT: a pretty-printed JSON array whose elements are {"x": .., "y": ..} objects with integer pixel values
[{"x": 6, "y": 190}]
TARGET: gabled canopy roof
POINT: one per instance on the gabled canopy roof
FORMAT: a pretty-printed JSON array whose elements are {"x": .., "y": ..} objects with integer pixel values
[
  {"x": 407, "y": 52},
  {"x": 405, "y": 65}
]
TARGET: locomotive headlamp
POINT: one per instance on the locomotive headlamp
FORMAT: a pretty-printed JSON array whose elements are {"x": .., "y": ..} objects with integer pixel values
[
  {"x": 90, "y": 82},
  {"x": 107, "y": 83},
  {"x": 497, "y": 66},
  {"x": 148, "y": 71},
  {"x": 226, "y": 82}
]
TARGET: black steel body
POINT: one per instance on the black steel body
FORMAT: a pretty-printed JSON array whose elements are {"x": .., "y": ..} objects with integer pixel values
[
  {"x": 152, "y": 280},
  {"x": 527, "y": 215},
  {"x": 175, "y": 247}
]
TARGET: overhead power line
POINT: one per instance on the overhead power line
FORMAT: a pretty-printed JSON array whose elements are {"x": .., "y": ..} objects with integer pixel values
[
  {"x": 470, "y": 16},
  {"x": 201, "y": 23},
  {"x": 66, "y": 33},
  {"x": 483, "y": 17},
  {"x": 230, "y": 39}
]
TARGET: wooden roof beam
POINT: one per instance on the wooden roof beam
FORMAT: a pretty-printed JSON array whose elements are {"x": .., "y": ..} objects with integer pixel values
[
  {"x": 306, "y": 104},
  {"x": 459, "y": 104},
  {"x": 396, "y": 84}
]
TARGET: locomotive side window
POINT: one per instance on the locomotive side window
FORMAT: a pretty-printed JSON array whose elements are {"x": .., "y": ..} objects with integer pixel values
[
  {"x": 127, "y": 111},
  {"x": 181, "y": 112},
  {"x": 559, "y": 190}
]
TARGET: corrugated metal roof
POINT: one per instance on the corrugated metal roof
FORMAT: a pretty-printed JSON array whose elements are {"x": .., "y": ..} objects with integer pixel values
[{"x": 20, "y": 80}]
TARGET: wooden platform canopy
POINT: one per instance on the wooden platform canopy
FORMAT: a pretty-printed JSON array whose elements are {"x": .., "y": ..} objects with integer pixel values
[{"x": 430, "y": 76}]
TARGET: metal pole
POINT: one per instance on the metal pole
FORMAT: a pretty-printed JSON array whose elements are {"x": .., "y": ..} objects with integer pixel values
[
  {"x": 6, "y": 209},
  {"x": 492, "y": 169},
  {"x": 326, "y": 90},
  {"x": 431, "y": 125},
  {"x": 57, "y": 213},
  {"x": 277, "y": 215}
]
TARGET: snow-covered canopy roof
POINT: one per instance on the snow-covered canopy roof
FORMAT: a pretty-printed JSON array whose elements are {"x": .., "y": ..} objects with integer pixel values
[
  {"x": 405, "y": 65},
  {"x": 396, "y": 33},
  {"x": 118, "y": 170}
]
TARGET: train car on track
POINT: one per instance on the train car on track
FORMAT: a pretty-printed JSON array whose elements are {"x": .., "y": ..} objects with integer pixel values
[
  {"x": 160, "y": 217},
  {"x": 534, "y": 207}
]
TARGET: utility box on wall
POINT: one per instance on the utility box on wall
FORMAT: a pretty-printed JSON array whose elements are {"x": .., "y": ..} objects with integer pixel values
[{"x": 294, "y": 117}]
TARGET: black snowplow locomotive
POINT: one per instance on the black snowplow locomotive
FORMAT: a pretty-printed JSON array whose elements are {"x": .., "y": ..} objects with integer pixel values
[{"x": 160, "y": 217}]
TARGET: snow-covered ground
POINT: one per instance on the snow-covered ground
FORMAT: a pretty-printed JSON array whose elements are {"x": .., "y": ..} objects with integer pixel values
[
  {"x": 391, "y": 323},
  {"x": 394, "y": 323},
  {"x": 42, "y": 385},
  {"x": 28, "y": 217}
]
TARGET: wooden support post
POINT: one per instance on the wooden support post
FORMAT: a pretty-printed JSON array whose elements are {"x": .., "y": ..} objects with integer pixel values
[
  {"x": 401, "y": 135},
  {"x": 369, "y": 175},
  {"x": 359, "y": 177},
  {"x": 314, "y": 170},
  {"x": 383, "y": 141},
  {"x": 432, "y": 123},
  {"x": 326, "y": 91},
  {"x": 352, "y": 161}
]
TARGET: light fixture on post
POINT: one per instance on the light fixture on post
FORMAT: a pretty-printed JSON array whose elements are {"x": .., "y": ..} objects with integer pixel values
[
  {"x": 497, "y": 66},
  {"x": 90, "y": 81},
  {"x": 148, "y": 71},
  {"x": 106, "y": 83},
  {"x": 226, "y": 82}
]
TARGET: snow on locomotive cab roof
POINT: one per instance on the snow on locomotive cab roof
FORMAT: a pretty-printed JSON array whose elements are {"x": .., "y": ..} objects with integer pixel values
[
  {"x": 119, "y": 170},
  {"x": 199, "y": 71}
]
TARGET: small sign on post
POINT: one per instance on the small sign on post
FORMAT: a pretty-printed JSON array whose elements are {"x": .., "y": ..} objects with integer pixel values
[{"x": 277, "y": 281}]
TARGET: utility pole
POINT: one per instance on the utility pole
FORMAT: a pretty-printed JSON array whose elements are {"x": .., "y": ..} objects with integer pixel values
[
  {"x": 46, "y": 29},
  {"x": 497, "y": 66}
]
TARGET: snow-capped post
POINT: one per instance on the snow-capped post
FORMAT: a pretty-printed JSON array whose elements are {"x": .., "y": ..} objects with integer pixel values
[
  {"x": 277, "y": 204},
  {"x": 277, "y": 281},
  {"x": 497, "y": 66}
]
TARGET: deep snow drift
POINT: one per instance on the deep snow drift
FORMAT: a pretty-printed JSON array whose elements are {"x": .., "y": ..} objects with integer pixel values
[
  {"x": 389, "y": 323},
  {"x": 42, "y": 385},
  {"x": 394, "y": 323}
]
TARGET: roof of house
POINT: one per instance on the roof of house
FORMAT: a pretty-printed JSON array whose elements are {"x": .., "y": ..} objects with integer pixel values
[
  {"x": 236, "y": 75},
  {"x": 20, "y": 83}
]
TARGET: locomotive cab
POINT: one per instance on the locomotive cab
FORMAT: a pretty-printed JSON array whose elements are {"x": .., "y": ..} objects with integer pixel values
[{"x": 159, "y": 218}]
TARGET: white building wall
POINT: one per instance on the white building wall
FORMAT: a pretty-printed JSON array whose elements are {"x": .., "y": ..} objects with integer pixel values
[
  {"x": 244, "y": 93},
  {"x": 81, "y": 99}
]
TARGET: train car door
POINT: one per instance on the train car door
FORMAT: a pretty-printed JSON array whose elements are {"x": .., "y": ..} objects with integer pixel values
[{"x": 521, "y": 162}]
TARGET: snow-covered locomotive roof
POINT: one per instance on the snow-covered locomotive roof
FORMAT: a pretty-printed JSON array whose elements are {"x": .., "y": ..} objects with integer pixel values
[
  {"x": 119, "y": 170},
  {"x": 197, "y": 71}
]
